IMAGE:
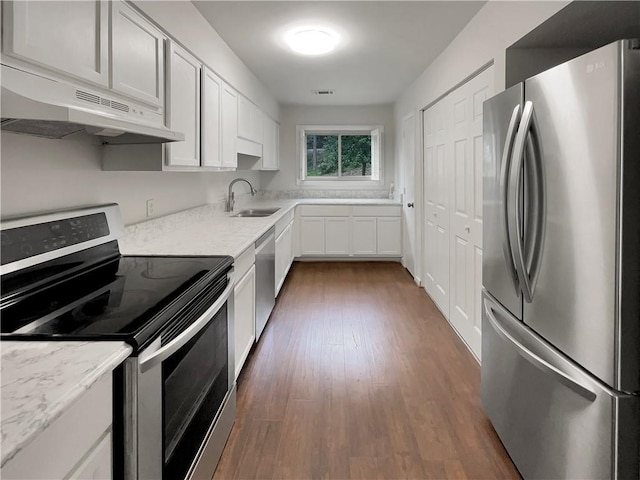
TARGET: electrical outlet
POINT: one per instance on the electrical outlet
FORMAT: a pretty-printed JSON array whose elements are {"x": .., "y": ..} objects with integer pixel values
[{"x": 151, "y": 206}]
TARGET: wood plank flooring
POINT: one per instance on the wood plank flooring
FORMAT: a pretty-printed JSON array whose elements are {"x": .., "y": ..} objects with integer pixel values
[{"x": 358, "y": 376}]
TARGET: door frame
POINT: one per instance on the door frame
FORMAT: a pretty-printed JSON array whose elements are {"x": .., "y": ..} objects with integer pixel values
[{"x": 417, "y": 194}]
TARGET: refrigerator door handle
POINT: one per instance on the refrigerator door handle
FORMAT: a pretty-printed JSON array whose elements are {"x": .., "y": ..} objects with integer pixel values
[
  {"x": 515, "y": 234},
  {"x": 573, "y": 383},
  {"x": 536, "y": 204},
  {"x": 504, "y": 193}
]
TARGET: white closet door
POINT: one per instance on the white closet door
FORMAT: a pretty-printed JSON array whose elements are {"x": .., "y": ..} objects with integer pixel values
[
  {"x": 466, "y": 211},
  {"x": 453, "y": 205},
  {"x": 436, "y": 211}
]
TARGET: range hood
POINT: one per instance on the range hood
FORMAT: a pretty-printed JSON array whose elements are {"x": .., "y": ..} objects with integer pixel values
[{"x": 36, "y": 105}]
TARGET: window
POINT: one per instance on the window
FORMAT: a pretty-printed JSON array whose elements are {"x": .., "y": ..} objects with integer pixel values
[{"x": 345, "y": 153}]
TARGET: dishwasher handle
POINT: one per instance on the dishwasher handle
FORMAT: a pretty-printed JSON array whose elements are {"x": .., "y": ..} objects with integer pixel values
[{"x": 264, "y": 240}]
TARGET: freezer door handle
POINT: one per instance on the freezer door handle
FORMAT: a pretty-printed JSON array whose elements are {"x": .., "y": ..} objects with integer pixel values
[
  {"x": 504, "y": 176},
  {"x": 526, "y": 138},
  {"x": 544, "y": 365}
]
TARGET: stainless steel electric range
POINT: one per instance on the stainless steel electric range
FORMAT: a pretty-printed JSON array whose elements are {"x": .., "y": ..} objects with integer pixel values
[{"x": 63, "y": 278}]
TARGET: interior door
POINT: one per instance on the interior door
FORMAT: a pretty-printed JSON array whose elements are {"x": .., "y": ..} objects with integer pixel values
[
  {"x": 465, "y": 155},
  {"x": 409, "y": 197},
  {"x": 436, "y": 208}
]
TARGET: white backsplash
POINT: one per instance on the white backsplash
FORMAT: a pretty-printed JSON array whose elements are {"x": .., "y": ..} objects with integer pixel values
[{"x": 307, "y": 193}]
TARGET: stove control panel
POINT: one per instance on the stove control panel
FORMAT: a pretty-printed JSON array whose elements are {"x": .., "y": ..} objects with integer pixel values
[{"x": 30, "y": 240}]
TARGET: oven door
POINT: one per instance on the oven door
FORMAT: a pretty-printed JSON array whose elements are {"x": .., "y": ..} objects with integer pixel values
[{"x": 177, "y": 392}]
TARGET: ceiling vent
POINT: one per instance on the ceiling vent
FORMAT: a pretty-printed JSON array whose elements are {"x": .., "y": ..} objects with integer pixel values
[{"x": 323, "y": 92}]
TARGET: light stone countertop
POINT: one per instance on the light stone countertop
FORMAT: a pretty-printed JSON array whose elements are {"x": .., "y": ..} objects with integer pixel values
[
  {"x": 207, "y": 230},
  {"x": 41, "y": 380}
]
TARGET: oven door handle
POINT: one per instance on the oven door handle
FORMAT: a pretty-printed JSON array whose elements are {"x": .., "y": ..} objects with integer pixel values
[{"x": 154, "y": 358}]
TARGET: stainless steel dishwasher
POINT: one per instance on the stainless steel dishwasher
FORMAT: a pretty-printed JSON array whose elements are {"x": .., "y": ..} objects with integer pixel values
[{"x": 265, "y": 279}]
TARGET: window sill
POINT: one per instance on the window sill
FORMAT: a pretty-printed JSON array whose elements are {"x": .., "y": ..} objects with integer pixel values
[{"x": 341, "y": 184}]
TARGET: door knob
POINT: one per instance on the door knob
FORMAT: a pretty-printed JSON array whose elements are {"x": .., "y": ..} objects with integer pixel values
[{"x": 410, "y": 205}]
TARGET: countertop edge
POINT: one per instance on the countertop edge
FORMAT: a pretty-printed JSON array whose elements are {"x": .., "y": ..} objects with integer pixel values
[{"x": 65, "y": 403}]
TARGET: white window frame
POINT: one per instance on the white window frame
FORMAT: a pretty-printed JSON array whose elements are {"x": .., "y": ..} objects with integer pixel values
[{"x": 377, "y": 161}]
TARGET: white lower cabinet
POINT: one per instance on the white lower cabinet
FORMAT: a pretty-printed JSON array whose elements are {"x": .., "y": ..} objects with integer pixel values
[
  {"x": 312, "y": 236},
  {"x": 96, "y": 466},
  {"x": 357, "y": 231},
  {"x": 76, "y": 445},
  {"x": 389, "y": 236},
  {"x": 284, "y": 255},
  {"x": 336, "y": 235},
  {"x": 363, "y": 234},
  {"x": 245, "y": 314}
]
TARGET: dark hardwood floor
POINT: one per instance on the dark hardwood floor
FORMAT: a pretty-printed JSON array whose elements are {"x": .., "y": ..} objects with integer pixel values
[{"x": 358, "y": 376}]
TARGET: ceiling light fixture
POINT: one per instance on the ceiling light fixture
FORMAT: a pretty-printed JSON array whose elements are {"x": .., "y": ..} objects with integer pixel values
[{"x": 312, "y": 41}]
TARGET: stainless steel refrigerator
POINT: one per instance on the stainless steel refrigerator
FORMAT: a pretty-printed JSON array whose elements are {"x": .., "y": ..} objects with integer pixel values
[{"x": 561, "y": 267}]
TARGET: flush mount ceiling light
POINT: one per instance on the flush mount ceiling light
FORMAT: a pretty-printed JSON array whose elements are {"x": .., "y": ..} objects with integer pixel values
[{"x": 312, "y": 40}]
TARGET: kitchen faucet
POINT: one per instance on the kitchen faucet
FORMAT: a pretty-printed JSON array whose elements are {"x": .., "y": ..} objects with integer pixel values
[{"x": 230, "y": 197}]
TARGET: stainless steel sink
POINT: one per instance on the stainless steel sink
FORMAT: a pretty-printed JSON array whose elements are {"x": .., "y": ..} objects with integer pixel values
[{"x": 256, "y": 212}]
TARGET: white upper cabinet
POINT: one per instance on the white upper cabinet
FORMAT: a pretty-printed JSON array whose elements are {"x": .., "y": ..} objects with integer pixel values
[
  {"x": 183, "y": 106},
  {"x": 211, "y": 119},
  {"x": 249, "y": 120},
  {"x": 137, "y": 55},
  {"x": 270, "y": 144},
  {"x": 229, "y": 126},
  {"x": 68, "y": 37}
]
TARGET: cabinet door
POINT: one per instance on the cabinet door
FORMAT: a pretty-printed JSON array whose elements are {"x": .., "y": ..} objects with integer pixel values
[
  {"x": 211, "y": 119},
  {"x": 312, "y": 236},
  {"x": 270, "y": 145},
  {"x": 244, "y": 117},
  {"x": 137, "y": 56},
  {"x": 229, "y": 127},
  {"x": 363, "y": 235},
  {"x": 183, "y": 114},
  {"x": 68, "y": 37},
  {"x": 336, "y": 234},
  {"x": 283, "y": 244},
  {"x": 389, "y": 236},
  {"x": 257, "y": 124},
  {"x": 245, "y": 314},
  {"x": 288, "y": 241}
]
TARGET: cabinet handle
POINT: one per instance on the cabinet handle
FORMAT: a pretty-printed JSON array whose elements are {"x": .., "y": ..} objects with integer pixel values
[
  {"x": 410, "y": 205},
  {"x": 467, "y": 229}
]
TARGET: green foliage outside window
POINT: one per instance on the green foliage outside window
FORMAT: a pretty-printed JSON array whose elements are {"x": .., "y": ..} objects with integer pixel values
[{"x": 338, "y": 155}]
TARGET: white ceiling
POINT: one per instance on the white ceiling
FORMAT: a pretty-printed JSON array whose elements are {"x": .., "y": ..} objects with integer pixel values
[{"x": 388, "y": 44}]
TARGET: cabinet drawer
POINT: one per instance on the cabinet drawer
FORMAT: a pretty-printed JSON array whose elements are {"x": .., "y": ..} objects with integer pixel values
[
  {"x": 282, "y": 224},
  {"x": 97, "y": 465},
  {"x": 376, "y": 210},
  {"x": 323, "y": 210},
  {"x": 244, "y": 262}
]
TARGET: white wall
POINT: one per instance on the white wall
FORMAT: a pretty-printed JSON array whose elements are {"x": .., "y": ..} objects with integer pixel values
[
  {"x": 184, "y": 22},
  {"x": 293, "y": 115},
  {"x": 40, "y": 174},
  {"x": 485, "y": 38}
]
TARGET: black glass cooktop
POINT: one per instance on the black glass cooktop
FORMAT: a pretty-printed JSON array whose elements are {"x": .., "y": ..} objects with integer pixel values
[{"x": 122, "y": 298}]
